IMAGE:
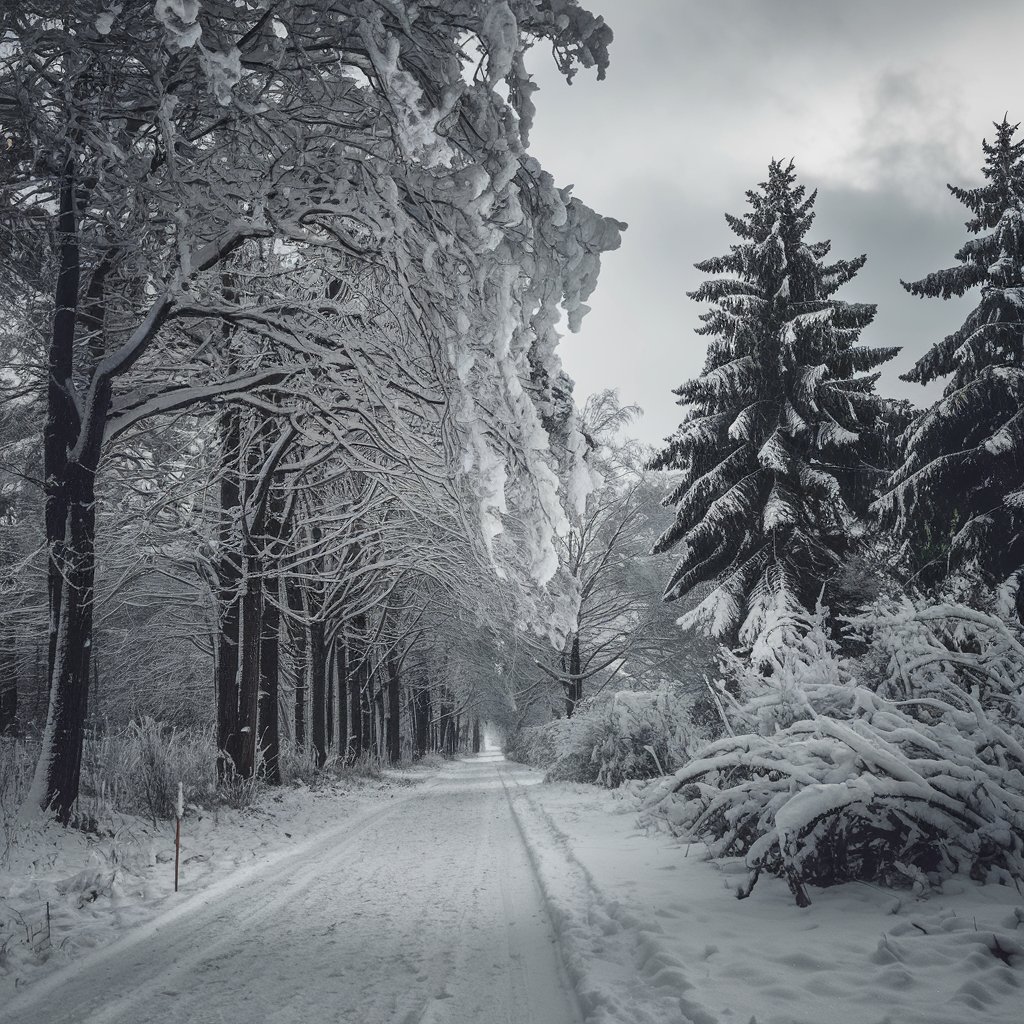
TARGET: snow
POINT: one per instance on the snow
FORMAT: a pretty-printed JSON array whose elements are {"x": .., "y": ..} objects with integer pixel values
[
  {"x": 105, "y": 20},
  {"x": 474, "y": 893},
  {"x": 223, "y": 72},
  {"x": 401, "y": 905},
  {"x": 500, "y": 33},
  {"x": 859, "y": 955},
  {"x": 180, "y": 19},
  {"x": 99, "y": 885},
  {"x": 417, "y": 131}
]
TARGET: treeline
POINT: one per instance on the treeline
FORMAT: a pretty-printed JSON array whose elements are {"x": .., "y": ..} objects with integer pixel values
[
  {"x": 860, "y": 560},
  {"x": 286, "y": 440}
]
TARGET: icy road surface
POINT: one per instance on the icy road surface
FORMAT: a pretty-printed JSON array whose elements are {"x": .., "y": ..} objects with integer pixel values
[{"x": 425, "y": 911}]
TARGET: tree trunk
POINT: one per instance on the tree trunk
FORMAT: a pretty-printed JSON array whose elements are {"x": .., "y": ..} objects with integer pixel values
[
  {"x": 38, "y": 681},
  {"x": 379, "y": 720},
  {"x": 243, "y": 743},
  {"x": 476, "y": 735},
  {"x": 270, "y": 671},
  {"x": 70, "y": 458},
  {"x": 8, "y": 686},
  {"x": 341, "y": 670},
  {"x": 355, "y": 674},
  {"x": 299, "y": 631},
  {"x": 446, "y": 728},
  {"x": 366, "y": 706},
  {"x": 229, "y": 597},
  {"x": 329, "y": 696},
  {"x": 318, "y": 678},
  {"x": 421, "y": 720},
  {"x": 393, "y": 713}
]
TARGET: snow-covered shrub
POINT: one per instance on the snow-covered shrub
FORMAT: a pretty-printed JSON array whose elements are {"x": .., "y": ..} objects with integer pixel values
[
  {"x": 534, "y": 745},
  {"x": 431, "y": 759},
  {"x": 298, "y": 765},
  {"x": 641, "y": 735},
  {"x": 574, "y": 743},
  {"x": 17, "y": 764},
  {"x": 137, "y": 769},
  {"x": 239, "y": 791},
  {"x": 903, "y": 766},
  {"x": 612, "y": 738}
]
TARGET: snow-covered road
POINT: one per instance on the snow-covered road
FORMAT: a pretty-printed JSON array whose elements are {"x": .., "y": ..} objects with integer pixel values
[{"x": 424, "y": 911}]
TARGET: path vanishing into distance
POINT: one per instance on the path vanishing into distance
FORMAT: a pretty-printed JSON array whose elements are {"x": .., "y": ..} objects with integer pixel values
[{"x": 426, "y": 910}]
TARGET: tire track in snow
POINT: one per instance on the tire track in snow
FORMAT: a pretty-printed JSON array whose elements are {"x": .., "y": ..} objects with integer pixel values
[
  {"x": 537, "y": 990},
  {"x": 621, "y": 970},
  {"x": 204, "y": 908},
  {"x": 424, "y": 911}
]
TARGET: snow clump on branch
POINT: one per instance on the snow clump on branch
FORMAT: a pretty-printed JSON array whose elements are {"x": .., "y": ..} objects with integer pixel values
[{"x": 180, "y": 20}]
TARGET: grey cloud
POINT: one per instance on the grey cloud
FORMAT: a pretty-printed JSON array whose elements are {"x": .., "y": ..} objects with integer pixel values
[{"x": 881, "y": 103}]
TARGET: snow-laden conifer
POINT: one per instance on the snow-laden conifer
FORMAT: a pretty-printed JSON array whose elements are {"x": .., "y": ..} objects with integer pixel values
[
  {"x": 958, "y": 498},
  {"x": 783, "y": 434}
]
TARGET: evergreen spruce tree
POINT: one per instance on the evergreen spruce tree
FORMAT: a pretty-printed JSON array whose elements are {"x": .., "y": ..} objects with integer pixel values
[
  {"x": 958, "y": 498},
  {"x": 783, "y": 436}
]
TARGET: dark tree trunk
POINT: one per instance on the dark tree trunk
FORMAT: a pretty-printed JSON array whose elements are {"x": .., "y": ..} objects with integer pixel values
[
  {"x": 8, "y": 686},
  {"x": 379, "y": 720},
  {"x": 355, "y": 680},
  {"x": 476, "y": 735},
  {"x": 446, "y": 729},
  {"x": 229, "y": 597},
  {"x": 71, "y": 450},
  {"x": 421, "y": 720},
  {"x": 329, "y": 696},
  {"x": 38, "y": 682},
  {"x": 318, "y": 674},
  {"x": 270, "y": 708},
  {"x": 270, "y": 671},
  {"x": 243, "y": 742},
  {"x": 366, "y": 707},
  {"x": 299, "y": 631},
  {"x": 95, "y": 710},
  {"x": 393, "y": 713},
  {"x": 341, "y": 674}
]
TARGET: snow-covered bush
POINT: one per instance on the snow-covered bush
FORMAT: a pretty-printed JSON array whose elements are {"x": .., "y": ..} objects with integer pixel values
[
  {"x": 17, "y": 763},
  {"x": 641, "y": 735},
  {"x": 613, "y": 738},
  {"x": 431, "y": 759},
  {"x": 137, "y": 769},
  {"x": 535, "y": 745},
  {"x": 298, "y": 765},
  {"x": 902, "y": 766}
]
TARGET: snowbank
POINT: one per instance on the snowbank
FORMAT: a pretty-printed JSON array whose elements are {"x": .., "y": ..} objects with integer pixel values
[{"x": 656, "y": 934}]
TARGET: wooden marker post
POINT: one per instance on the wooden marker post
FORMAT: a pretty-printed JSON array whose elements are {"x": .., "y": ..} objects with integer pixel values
[{"x": 179, "y": 812}]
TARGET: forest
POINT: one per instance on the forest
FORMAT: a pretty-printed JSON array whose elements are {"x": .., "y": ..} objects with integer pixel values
[{"x": 293, "y": 482}]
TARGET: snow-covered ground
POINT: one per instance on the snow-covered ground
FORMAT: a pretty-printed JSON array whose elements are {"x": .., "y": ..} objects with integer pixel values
[
  {"x": 857, "y": 955},
  {"x": 477, "y": 895},
  {"x": 418, "y": 907},
  {"x": 99, "y": 886}
]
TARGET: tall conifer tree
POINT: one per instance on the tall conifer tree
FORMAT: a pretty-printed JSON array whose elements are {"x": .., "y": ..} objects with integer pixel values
[
  {"x": 783, "y": 435},
  {"x": 958, "y": 497}
]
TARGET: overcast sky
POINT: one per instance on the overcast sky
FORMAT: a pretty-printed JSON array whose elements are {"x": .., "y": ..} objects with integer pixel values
[{"x": 880, "y": 102}]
